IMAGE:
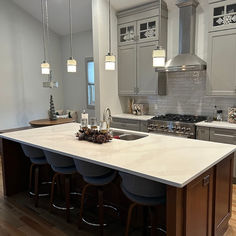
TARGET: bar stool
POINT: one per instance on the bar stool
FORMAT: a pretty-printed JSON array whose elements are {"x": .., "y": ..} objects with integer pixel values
[
  {"x": 143, "y": 192},
  {"x": 38, "y": 160},
  {"x": 96, "y": 176},
  {"x": 62, "y": 166}
]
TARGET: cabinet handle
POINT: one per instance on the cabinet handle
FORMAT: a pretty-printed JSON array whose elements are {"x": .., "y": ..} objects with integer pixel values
[{"x": 206, "y": 180}]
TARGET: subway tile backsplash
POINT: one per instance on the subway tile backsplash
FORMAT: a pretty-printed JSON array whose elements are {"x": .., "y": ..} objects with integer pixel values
[{"x": 186, "y": 94}]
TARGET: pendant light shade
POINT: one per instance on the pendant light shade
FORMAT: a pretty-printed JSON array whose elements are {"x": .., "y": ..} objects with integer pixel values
[
  {"x": 71, "y": 62},
  {"x": 159, "y": 54},
  {"x": 45, "y": 66},
  {"x": 71, "y": 65},
  {"x": 159, "y": 57},
  {"x": 110, "y": 60}
]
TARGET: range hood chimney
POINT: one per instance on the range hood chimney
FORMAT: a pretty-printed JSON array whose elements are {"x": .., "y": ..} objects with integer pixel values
[{"x": 186, "y": 60}]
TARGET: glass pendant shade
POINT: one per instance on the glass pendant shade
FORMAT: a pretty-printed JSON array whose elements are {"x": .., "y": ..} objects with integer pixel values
[
  {"x": 159, "y": 57},
  {"x": 110, "y": 62},
  {"x": 45, "y": 68},
  {"x": 71, "y": 65}
]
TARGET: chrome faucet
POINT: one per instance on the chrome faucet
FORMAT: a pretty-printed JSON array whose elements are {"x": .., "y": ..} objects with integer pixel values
[{"x": 107, "y": 116}]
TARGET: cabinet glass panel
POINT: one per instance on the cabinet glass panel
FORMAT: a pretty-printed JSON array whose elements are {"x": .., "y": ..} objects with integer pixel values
[
  {"x": 219, "y": 11},
  {"x": 231, "y": 8},
  {"x": 127, "y": 34},
  {"x": 148, "y": 30}
]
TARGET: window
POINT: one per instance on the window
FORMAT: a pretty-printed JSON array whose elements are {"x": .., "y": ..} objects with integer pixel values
[{"x": 90, "y": 82}]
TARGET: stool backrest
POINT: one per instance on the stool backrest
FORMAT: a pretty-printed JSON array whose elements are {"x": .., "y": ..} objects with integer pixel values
[
  {"x": 32, "y": 152},
  {"x": 141, "y": 186},
  {"x": 89, "y": 169},
  {"x": 58, "y": 160}
]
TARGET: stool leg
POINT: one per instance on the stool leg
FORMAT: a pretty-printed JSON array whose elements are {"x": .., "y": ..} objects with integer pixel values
[
  {"x": 67, "y": 195},
  {"x": 129, "y": 218},
  {"x": 101, "y": 210},
  {"x": 153, "y": 220},
  {"x": 145, "y": 220},
  {"x": 36, "y": 186},
  {"x": 52, "y": 191},
  {"x": 82, "y": 204},
  {"x": 31, "y": 176}
]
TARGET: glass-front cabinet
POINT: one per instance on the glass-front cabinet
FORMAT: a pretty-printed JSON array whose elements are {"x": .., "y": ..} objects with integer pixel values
[
  {"x": 127, "y": 33},
  {"x": 147, "y": 29},
  {"x": 222, "y": 15}
]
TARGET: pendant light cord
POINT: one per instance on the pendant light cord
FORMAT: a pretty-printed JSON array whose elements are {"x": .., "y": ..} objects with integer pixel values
[
  {"x": 47, "y": 28},
  {"x": 44, "y": 31},
  {"x": 70, "y": 22},
  {"x": 110, "y": 26},
  {"x": 160, "y": 11}
]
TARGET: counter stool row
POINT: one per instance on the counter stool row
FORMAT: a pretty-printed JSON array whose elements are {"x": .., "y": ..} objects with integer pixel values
[{"x": 140, "y": 191}]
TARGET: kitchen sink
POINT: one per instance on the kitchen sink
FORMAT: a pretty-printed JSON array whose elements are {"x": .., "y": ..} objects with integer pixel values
[{"x": 127, "y": 136}]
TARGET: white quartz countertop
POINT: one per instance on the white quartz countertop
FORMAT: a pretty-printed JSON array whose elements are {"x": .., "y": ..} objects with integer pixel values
[
  {"x": 133, "y": 117},
  {"x": 217, "y": 124},
  {"x": 169, "y": 160}
]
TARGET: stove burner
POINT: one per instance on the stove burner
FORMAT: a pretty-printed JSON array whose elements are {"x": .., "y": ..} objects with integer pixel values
[{"x": 180, "y": 118}]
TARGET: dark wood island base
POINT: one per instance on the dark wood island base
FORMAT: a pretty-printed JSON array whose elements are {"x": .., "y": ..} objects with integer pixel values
[{"x": 201, "y": 208}]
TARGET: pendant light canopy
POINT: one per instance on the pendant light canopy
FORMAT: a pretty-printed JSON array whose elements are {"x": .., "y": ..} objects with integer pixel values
[
  {"x": 45, "y": 66},
  {"x": 110, "y": 60},
  {"x": 71, "y": 62},
  {"x": 159, "y": 54}
]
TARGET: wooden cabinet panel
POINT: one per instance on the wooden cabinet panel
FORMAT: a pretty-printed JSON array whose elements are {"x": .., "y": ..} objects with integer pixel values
[
  {"x": 221, "y": 72},
  {"x": 127, "y": 70},
  {"x": 203, "y": 133},
  {"x": 199, "y": 205},
  {"x": 223, "y": 135},
  {"x": 128, "y": 124},
  {"x": 223, "y": 195}
]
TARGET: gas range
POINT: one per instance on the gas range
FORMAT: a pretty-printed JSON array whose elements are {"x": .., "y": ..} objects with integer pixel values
[{"x": 176, "y": 125}]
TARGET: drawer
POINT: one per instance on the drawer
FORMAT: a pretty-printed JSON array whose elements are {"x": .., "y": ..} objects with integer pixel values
[
  {"x": 125, "y": 124},
  {"x": 223, "y": 136},
  {"x": 203, "y": 133}
]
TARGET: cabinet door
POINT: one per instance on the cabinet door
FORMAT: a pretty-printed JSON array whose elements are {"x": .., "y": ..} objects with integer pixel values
[
  {"x": 127, "y": 70},
  {"x": 147, "y": 30},
  {"x": 127, "y": 33},
  {"x": 222, "y": 15},
  {"x": 221, "y": 72},
  {"x": 223, "y": 136},
  {"x": 199, "y": 205},
  {"x": 147, "y": 78},
  {"x": 203, "y": 133},
  {"x": 125, "y": 124}
]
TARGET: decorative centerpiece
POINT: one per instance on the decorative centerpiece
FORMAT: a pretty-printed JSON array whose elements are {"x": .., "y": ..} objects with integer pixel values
[
  {"x": 232, "y": 115},
  {"x": 52, "y": 113},
  {"x": 93, "y": 135}
]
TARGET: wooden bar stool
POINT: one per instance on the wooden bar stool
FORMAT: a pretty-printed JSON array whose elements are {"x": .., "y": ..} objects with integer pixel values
[
  {"x": 95, "y": 176},
  {"x": 38, "y": 160},
  {"x": 62, "y": 166},
  {"x": 146, "y": 193}
]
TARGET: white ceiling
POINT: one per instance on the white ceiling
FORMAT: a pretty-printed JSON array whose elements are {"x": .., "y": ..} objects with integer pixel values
[{"x": 81, "y": 12}]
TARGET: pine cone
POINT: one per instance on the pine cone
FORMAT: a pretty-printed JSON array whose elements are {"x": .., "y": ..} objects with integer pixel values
[{"x": 101, "y": 139}]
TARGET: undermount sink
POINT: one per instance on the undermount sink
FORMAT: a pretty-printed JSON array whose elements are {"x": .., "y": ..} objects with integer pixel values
[{"x": 127, "y": 136}]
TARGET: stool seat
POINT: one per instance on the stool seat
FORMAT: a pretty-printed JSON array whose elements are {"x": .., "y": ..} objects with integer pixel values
[
  {"x": 64, "y": 170},
  {"x": 101, "y": 180},
  {"x": 39, "y": 161},
  {"x": 149, "y": 201}
]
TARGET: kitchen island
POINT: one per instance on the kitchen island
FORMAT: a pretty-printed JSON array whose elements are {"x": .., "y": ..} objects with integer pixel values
[{"x": 198, "y": 174}]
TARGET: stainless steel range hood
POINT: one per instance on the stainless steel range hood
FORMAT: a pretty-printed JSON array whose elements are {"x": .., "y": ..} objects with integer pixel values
[{"x": 186, "y": 60}]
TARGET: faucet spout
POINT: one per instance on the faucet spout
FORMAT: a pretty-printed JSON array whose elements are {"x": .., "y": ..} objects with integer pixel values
[{"x": 107, "y": 116}]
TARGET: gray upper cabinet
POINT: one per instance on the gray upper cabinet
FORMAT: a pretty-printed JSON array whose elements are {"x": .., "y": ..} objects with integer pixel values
[
  {"x": 221, "y": 72},
  {"x": 222, "y": 15},
  {"x": 147, "y": 30},
  {"x": 137, "y": 37},
  {"x": 127, "y": 33},
  {"x": 127, "y": 70}
]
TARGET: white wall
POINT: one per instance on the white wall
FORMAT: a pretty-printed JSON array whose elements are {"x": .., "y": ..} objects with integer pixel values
[
  {"x": 106, "y": 81},
  {"x": 75, "y": 87},
  {"x": 22, "y": 97}
]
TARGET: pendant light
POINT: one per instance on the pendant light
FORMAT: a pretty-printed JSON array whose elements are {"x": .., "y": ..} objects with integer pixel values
[
  {"x": 110, "y": 60},
  {"x": 45, "y": 66},
  {"x": 159, "y": 54},
  {"x": 71, "y": 62}
]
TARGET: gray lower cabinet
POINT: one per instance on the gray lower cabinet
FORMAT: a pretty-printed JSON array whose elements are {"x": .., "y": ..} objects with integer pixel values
[
  {"x": 221, "y": 72},
  {"x": 218, "y": 135},
  {"x": 129, "y": 124},
  {"x": 127, "y": 70}
]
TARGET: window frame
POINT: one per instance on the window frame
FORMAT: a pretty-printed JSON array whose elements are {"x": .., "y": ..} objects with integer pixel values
[{"x": 87, "y": 60}]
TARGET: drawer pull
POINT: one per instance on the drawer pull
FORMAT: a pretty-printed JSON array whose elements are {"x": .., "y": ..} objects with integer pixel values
[
  {"x": 224, "y": 135},
  {"x": 206, "y": 180}
]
